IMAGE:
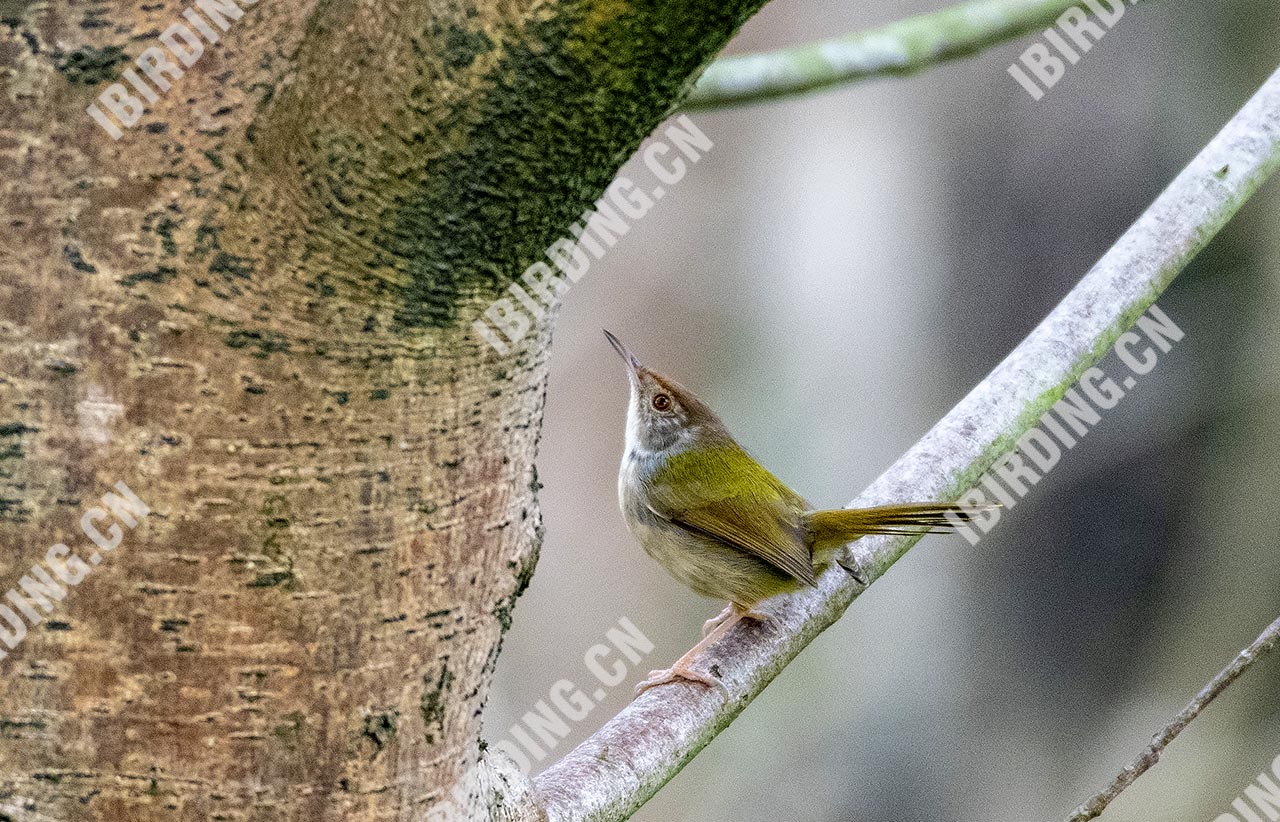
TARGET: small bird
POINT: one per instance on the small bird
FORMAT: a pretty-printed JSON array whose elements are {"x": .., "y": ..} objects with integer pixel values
[{"x": 719, "y": 522}]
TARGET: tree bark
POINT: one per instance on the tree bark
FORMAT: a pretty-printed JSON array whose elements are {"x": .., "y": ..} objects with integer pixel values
[{"x": 253, "y": 309}]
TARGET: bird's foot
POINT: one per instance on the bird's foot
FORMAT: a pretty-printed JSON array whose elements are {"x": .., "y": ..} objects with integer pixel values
[
  {"x": 850, "y": 564},
  {"x": 674, "y": 673},
  {"x": 717, "y": 620},
  {"x": 732, "y": 612}
]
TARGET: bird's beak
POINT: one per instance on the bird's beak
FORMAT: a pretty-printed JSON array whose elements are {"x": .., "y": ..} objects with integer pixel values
[{"x": 632, "y": 363}]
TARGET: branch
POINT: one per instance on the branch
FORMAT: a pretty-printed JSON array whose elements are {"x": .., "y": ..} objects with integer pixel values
[
  {"x": 899, "y": 48},
  {"x": 613, "y": 773},
  {"x": 1151, "y": 754}
]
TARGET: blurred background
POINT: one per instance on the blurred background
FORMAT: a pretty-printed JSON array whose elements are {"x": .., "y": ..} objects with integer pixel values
[{"x": 832, "y": 277}]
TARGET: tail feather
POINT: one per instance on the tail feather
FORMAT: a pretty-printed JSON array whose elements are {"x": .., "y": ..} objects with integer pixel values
[{"x": 828, "y": 529}]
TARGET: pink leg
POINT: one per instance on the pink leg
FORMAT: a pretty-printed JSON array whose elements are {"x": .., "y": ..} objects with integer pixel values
[
  {"x": 718, "y": 620},
  {"x": 745, "y": 612},
  {"x": 732, "y": 610},
  {"x": 712, "y": 630}
]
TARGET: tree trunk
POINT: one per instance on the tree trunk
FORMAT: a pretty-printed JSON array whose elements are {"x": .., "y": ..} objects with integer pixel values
[{"x": 253, "y": 310}]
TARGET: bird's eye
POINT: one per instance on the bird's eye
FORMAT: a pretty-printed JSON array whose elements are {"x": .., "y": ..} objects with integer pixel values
[{"x": 661, "y": 402}]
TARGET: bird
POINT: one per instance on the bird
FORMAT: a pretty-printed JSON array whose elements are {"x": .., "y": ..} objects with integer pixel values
[{"x": 721, "y": 523}]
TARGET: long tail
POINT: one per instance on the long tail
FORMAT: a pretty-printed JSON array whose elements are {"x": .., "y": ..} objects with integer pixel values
[{"x": 829, "y": 529}]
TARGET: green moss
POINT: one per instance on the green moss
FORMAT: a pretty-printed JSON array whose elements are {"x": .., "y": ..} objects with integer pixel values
[
  {"x": 13, "y": 12},
  {"x": 14, "y": 510},
  {"x": 62, "y": 367},
  {"x": 160, "y": 274},
  {"x": 230, "y": 265},
  {"x": 8, "y": 724},
  {"x": 284, "y": 579},
  {"x": 207, "y": 240},
  {"x": 289, "y": 732},
  {"x": 89, "y": 66},
  {"x": 380, "y": 728},
  {"x": 272, "y": 528},
  {"x": 164, "y": 230},
  {"x": 558, "y": 102},
  {"x": 265, "y": 343},
  {"x": 461, "y": 45},
  {"x": 94, "y": 19},
  {"x": 433, "y": 701},
  {"x": 504, "y": 610},
  {"x": 77, "y": 260}
]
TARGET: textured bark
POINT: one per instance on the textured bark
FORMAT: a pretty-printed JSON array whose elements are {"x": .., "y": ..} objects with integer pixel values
[{"x": 253, "y": 309}]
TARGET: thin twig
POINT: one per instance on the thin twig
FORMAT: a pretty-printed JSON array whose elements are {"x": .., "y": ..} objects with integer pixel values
[
  {"x": 1151, "y": 755},
  {"x": 902, "y": 47},
  {"x": 609, "y": 776}
]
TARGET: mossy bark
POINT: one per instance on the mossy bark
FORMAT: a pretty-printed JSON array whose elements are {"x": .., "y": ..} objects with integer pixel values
[{"x": 254, "y": 309}]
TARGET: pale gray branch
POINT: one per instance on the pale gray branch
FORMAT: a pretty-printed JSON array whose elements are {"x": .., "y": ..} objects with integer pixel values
[
  {"x": 613, "y": 773},
  {"x": 901, "y": 47},
  {"x": 1151, "y": 754}
]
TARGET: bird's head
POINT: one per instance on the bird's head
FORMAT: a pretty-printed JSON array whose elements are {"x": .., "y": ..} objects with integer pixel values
[{"x": 664, "y": 415}]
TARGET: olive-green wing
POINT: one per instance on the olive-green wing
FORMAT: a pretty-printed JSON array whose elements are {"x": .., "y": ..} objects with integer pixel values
[{"x": 748, "y": 509}]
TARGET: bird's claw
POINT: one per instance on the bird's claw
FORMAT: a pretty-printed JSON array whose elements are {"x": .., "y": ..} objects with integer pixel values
[
  {"x": 678, "y": 672},
  {"x": 732, "y": 612},
  {"x": 716, "y": 621}
]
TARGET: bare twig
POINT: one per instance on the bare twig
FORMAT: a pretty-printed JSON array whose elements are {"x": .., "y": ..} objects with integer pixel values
[
  {"x": 613, "y": 773},
  {"x": 902, "y": 47},
  {"x": 1151, "y": 754}
]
